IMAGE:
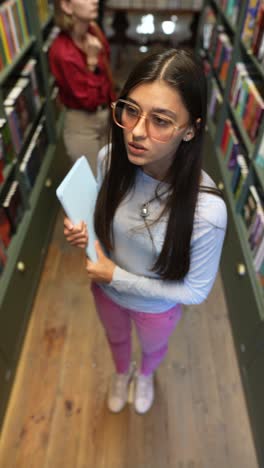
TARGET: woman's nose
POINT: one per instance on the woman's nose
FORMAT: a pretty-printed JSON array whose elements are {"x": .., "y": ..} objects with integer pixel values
[{"x": 140, "y": 129}]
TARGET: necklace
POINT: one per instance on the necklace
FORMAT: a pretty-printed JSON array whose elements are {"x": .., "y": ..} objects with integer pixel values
[{"x": 144, "y": 209}]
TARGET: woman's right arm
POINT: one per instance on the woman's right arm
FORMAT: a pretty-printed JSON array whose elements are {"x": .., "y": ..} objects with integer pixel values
[{"x": 77, "y": 234}]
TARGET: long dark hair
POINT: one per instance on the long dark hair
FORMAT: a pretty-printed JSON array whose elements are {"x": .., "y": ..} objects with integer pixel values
[{"x": 180, "y": 70}]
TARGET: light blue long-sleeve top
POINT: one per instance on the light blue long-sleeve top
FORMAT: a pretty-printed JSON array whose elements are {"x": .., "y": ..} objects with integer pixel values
[{"x": 134, "y": 285}]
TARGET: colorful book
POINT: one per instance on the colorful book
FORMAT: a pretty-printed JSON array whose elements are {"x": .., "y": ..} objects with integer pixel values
[
  {"x": 12, "y": 25},
  {"x": 249, "y": 22},
  {"x": 3, "y": 34},
  {"x": 18, "y": 25},
  {"x": 239, "y": 175},
  {"x": 8, "y": 31},
  {"x": 23, "y": 21}
]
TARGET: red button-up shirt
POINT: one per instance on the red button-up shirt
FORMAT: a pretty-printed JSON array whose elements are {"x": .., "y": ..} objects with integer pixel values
[{"x": 79, "y": 87}]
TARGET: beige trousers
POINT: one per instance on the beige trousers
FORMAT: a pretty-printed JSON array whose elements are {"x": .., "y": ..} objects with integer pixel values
[{"x": 85, "y": 133}]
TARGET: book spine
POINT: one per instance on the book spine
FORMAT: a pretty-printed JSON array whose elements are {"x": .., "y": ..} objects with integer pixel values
[
  {"x": 18, "y": 25},
  {"x": 4, "y": 38},
  {"x": 13, "y": 28},
  {"x": 23, "y": 22},
  {"x": 2, "y": 47},
  {"x": 249, "y": 23},
  {"x": 9, "y": 36}
]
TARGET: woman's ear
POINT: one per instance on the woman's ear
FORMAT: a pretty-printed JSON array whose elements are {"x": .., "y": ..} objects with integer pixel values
[
  {"x": 189, "y": 134},
  {"x": 66, "y": 7}
]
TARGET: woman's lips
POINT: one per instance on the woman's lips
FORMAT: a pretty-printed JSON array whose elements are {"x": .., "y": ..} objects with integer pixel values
[{"x": 136, "y": 149}]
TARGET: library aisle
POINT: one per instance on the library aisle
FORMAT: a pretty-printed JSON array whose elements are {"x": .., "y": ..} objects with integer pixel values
[
  {"x": 58, "y": 417},
  {"x": 57, "y": 414}
]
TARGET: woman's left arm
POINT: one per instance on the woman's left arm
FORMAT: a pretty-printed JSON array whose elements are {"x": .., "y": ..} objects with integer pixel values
[{"x": 194, "y": 288}]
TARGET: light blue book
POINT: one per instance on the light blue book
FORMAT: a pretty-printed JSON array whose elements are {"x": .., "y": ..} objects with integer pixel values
[{"x": 77, "y": 194}]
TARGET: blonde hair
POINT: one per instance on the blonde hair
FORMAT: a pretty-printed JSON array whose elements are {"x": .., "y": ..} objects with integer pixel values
[{"x": 62, "y": 20}]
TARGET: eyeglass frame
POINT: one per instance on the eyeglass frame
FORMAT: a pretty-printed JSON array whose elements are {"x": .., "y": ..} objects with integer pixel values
[{"x": 144, "y": 115}]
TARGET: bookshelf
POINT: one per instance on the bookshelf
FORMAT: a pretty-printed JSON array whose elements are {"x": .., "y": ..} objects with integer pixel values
[
  {"x": 32, "y": 163},
  {"x": 230, "y": 43}
]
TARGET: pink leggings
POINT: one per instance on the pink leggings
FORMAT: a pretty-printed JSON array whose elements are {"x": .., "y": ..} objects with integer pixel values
[{"x": 153, "y": 331}]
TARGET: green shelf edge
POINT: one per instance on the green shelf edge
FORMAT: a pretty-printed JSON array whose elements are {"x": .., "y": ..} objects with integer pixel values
[
  {"x": 39, "y": 183},
  {"x": 260, "y": 173},
  {"x": 60, "y": 123}
]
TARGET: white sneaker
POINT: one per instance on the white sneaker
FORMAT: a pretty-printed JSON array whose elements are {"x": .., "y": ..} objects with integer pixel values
[
  {"x": 118, "y": 391},
  {"x": 144, "y": 393}
]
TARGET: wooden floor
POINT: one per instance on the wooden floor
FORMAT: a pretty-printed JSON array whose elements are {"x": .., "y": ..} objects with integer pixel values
[{"x": 57, "y": 415}]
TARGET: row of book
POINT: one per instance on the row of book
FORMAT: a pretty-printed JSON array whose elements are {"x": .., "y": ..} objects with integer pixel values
[
  {"x": 14, "y": 32},
  {"x": 156, "y": 4},
  {"x": 237, "y": 163},
  {"x": 253, "y": 216},
  {"x": 231, "y": 9},
  {"x": 12, "y": 205},
  {"x": 235, "y": 156},
  {"x": 246, "y": 100},
  {"x": 239, "y": 173},
  {"x": 253, "y": 28},
  {"x": 222, "y": 53},
  {"x": 218, "y": 44},
  {"x": 23, "y": 103}
]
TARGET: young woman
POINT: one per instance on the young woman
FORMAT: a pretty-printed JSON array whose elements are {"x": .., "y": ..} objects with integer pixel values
[
  {"x": 159, "y": 218},
  {"x": 79, "y": 60}
]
